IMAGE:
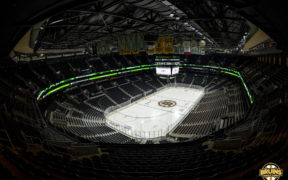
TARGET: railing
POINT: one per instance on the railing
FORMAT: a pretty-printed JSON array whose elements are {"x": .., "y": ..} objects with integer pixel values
[{"x": 127, "y": 130}]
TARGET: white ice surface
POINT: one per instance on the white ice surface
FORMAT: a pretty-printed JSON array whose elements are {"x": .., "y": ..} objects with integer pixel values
[{"x": 146, "y": 119}]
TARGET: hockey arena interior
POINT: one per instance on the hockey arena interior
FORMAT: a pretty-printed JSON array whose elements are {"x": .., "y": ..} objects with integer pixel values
[{"x": 144, "y": 89}]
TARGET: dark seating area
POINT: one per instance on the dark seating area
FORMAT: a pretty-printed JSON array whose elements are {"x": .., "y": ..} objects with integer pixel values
[
  {"x": 81, "y": 65},
  {"x": 198, "y": 80},
  {"x": 188, "y": 79},
  {"x": 154, "y": 83},
  {"x": 101, "y": 102},
  {"x": 110, "y": 61},
  {"x": 208, "y": 115},
  {"x": 96, "y": 65},
  {"x": 104, "y": 102},
  {"x": 190, "y": 160},
  {"x": 63, "y": 69},
  {"x": 117, "y": 95},
  {"x": 132, "y": 90},
  {"x": 143, "y": 85}
]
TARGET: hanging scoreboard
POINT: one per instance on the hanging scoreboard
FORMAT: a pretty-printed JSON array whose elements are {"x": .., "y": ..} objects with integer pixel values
[
  {"x": 175, "y": 70},
  {"x": 163, "y": 71},
  {"x": 167, "y": 65}
]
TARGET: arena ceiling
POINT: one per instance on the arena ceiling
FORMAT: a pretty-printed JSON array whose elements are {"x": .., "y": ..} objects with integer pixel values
[
  {"x": 198, "y": 19},
  {"x": 73, "y": 24}
]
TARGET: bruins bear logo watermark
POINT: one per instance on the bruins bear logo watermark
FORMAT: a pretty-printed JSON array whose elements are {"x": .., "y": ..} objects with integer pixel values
[
  {"x": 270, "y": 171},
  {"x": 167, "y": 103}
]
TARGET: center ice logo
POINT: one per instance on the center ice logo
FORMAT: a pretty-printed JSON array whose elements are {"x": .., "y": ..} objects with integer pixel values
[{"x": 167, "y": 103}]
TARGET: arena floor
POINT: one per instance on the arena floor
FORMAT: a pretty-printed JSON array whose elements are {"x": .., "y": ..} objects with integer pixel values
[{"x": 155, "y": 115}]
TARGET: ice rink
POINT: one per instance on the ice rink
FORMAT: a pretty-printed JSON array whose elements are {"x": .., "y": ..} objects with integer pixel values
[{"x": 155, "y": 115}]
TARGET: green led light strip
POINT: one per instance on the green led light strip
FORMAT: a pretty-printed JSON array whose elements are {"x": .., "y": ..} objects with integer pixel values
[
  {"x": 46, "y": 92},
  {"x": 85, "y": 76},
  {"x": 106, "y": 75},
  {"x": 58, "y": 88},
  {"x": 232, "y": 74},
  {"x": 133, "y": 70},
  {"x": 55, "y": 87}
]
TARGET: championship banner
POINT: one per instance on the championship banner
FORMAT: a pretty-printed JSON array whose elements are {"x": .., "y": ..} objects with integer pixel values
[
  {"x": 102, "y": 48},
  {"x": 179, "y": 49},
  {"x": 163, "y": 45},
  {"x": 168, "y": 45},
  {"x": 186, "y": 47},
  {"x": 159, "y": 45},
  {"x": 193, "y": 43},
  {"x": 131, "y": 44},
  {"x": 151, "y": 49},
  {"x": 198, "y": 48}
]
